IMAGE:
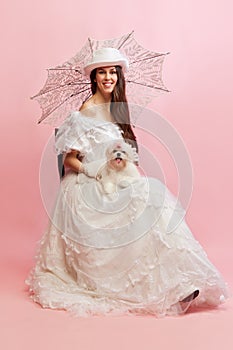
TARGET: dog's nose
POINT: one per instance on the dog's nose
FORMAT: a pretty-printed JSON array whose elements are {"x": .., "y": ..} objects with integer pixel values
[{"x": 118, "y": 154}]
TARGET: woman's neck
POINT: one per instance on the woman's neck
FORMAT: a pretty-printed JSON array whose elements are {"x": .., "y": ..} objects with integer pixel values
[{"x": 99, "y": 98}]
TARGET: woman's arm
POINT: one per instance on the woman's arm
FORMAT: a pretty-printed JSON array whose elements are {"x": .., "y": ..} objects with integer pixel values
[{"x": 71, "y": 161}]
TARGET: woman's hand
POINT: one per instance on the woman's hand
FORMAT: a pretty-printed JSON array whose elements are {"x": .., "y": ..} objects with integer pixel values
[{"x": 91, "y": 169}]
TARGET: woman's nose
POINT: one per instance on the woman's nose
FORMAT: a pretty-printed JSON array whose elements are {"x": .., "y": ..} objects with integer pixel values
[{"x": 107, "y": 76}]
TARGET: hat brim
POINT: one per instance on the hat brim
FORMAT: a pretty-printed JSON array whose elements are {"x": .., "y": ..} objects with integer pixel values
[{"x": 123, "y": 63}]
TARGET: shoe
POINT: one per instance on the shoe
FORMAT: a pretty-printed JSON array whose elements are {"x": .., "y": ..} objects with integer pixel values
[
  {"x": 186, "y": 302},
  {"x": 190, "y": 297}
]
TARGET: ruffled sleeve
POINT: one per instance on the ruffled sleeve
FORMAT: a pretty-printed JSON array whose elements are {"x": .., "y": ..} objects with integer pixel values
[{"x": 73, "y": 135}]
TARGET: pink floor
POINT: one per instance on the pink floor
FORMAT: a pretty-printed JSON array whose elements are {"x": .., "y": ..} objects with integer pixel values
[{"x": 25, "y": 325}]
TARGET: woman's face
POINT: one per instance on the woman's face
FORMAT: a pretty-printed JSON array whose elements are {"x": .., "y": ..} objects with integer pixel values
[{"x": 106, "y": 79}]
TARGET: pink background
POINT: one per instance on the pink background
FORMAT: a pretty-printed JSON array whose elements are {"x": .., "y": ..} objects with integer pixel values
[{"x": 36, "y": 35}]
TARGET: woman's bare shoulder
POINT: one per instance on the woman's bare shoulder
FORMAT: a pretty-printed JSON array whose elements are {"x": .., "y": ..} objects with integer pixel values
[
  {"x": 87, "y": 104},
  {"x": 87, "y": 107}
]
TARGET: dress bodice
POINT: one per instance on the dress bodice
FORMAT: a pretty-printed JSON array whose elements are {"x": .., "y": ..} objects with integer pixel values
[{"x": 88, "y": 135}]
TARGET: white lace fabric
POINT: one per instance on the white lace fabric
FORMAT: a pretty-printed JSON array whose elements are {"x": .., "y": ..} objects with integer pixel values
[{"x": 112, "y": 254}]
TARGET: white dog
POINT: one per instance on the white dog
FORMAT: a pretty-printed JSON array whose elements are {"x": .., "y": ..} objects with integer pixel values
[{"x": 120, "y": 168}]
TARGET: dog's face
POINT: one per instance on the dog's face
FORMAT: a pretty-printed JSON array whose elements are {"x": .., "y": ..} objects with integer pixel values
[{"x": 118, "y": 154}]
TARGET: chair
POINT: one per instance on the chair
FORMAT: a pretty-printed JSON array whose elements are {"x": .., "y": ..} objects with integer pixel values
[{"x": 61, "y": 169}]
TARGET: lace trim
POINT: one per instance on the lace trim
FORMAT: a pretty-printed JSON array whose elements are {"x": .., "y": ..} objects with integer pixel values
[{"x": 80, "y": 133}]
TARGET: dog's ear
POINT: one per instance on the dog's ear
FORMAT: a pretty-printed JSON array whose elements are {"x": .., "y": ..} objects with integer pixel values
[
  {"x": 109, "y": 149},
  {"x": 108, "y": 153},
  {"x": 136, "y": 158},
  {"x": 132, "y": 153}
]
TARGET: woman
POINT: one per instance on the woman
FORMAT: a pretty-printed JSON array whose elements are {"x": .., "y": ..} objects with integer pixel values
[{"x": 105, "y": 253}]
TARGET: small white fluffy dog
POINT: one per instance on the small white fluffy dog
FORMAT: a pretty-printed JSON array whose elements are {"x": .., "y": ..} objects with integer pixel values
[{"x": 120, "y": 168}]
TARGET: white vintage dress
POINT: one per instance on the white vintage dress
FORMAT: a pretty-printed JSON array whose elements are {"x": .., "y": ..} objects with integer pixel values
[{"x": 112, "y": 253}]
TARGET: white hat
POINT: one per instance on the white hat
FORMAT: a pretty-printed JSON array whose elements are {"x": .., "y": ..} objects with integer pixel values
[{"x": 107, "y": 56}]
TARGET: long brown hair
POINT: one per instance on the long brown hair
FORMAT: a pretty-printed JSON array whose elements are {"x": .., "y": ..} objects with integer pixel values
[{"x": 119, "y": 106}]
